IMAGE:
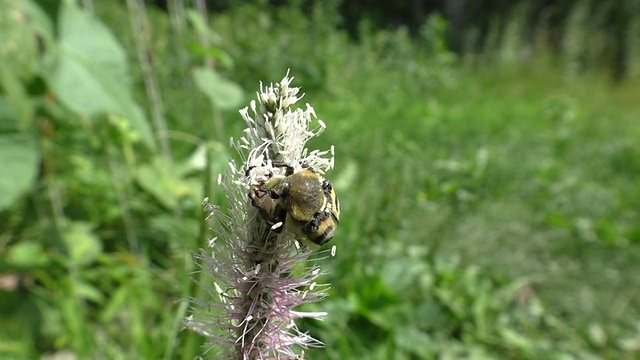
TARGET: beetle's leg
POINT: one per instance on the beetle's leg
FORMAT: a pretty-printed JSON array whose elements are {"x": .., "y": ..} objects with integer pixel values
[
  {"x": 282, "y": 164},
  {"x": 326, "y": 186}
]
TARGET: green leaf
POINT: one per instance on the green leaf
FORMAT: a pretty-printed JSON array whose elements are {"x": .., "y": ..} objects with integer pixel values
[
  {"x": 84, "y": 35},
  {"x": 38, "y": 20},
  {"x": 222, "y": 93},
  {"x": 88, "y": 291},
  {"x": 164, "y": 180},
  {"x": 116, "y": 303},
  {"x": 18, "y": 48},
  {"x": 17, "y": 96},
  {"x": 201, "y": 26},
  {"x": 84, "y": 246},
  {"x": 19, "y": 154},
  {"x": 22, "y": 25},
  {"x": 219, "y": 158},
  {"x": 89, "y": 73},
  {"x": 514, "y": 339},
  {"x": 414, "y": 341},
  {"x": 82, "y": 86},
  {"x": 169, "y": 181},
  {"x": 27, "y": 254},
  {"x": 401, "y": 275}
]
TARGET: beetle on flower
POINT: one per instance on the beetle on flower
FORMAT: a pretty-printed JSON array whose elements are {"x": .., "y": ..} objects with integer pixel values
[{"x": 261, "y": 273}]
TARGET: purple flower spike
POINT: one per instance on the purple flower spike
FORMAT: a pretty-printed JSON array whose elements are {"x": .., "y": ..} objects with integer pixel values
[{"x": 261, "y": 275}]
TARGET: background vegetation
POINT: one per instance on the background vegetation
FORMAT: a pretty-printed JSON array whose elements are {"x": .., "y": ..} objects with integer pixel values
[{"x": 491, "y": 207}]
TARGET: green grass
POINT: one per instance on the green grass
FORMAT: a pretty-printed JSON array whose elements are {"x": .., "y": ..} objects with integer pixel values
[
  {"x": 522, "y": 173},
  {"x": 489, "y": 211}
]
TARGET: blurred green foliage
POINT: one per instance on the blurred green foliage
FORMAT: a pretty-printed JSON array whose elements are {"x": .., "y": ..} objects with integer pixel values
[{"x": 490, "y": 202}]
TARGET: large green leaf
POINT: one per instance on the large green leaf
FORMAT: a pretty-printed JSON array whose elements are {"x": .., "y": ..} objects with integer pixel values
[
  {"x": 39, "y": 22},
  {"x": 85, "y": 36},
  {"x": 89, "y": 73},
  {"x": 19, "y": 158},
  {"x": 18, "y": 48},
  {"x": 83, "y": 86},
  {"x": 22, "y": 26},
  {"x": 16, "y": 95}
]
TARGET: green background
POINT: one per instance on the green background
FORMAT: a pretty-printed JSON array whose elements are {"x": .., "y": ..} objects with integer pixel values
[{"x": 490, "y": 199}]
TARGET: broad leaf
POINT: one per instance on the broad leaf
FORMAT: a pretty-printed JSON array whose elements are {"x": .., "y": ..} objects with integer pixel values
[
  {"x": 17, "y": 96},
  {"x": 18, "y": 48},
  {"x": 19, "y": 159},
  {"x": 89, "y": 73}
]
